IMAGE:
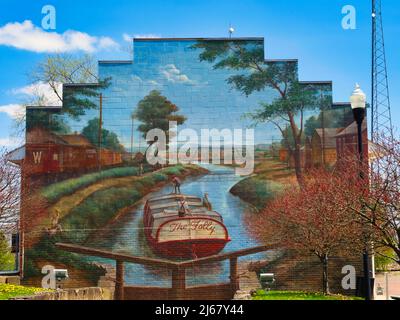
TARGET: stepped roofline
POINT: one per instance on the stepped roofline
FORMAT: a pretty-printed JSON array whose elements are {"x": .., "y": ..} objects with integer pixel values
[
  {"x": 201, "y": 39},
  {"x": 89, "y": 84},
  {"x": 316, "y": 82},
  {"x": 281, "y": 60},
  {"x": 115, "y": 61},
  {"x": 44, "y": 108}
]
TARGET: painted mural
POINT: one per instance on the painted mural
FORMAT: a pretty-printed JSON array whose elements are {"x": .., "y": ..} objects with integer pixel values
[{"x": 92, "y": 184}]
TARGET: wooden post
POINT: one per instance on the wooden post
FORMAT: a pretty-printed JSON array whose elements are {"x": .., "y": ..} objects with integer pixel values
[
  {"x": 119, "y": 281},
  {"x": 178, "y": 283},
  {"x": 234, "y": 274}
]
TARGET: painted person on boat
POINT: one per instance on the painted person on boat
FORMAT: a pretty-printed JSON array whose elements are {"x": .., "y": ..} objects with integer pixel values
[
  {"x": 183, "y": 208},
  {"x": 177, "y": 185},
  {"x": 206, "y": 202}
]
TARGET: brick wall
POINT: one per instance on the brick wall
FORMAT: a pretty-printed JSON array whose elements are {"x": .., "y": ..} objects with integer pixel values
[{"x": 301, "y": 273}]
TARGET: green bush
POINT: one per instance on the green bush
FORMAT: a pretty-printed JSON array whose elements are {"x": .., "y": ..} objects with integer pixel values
[
  {"x": 8, "y": 291},
  {"x": 257, "y": 191},
  {"x": 385, "y": 259},
  {"x": 174, "y": 171},
  {"x": 7, "y": 259},
  {"x": 159, "y": 177},
  {"x": 298, "y": 295},
  {"x": 55, "y": 191},
  {"x": 46, "y": 250}
]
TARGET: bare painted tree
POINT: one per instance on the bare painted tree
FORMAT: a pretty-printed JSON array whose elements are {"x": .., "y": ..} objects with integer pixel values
[
  {"x": 59, "y": 69},
  {"x": 47, "y": 82},
  {"x": 10, "y": 178}
]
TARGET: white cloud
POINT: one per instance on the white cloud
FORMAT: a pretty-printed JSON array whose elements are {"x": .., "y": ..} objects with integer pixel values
[
  {"x": 14, "y": 111},
  {"x": 129, "y": 38},
  {"x": 34, "y": 92},
  {"x": 174, "y": 75},
  {"x": 27, "y": 36},
  {"x": 41, "y": 90},
  {"x": 147, "y": 36},
  {"x": 136, "y": 78},
  {"x": 153, "y": 82},
  {"x": 106, "y": 43},
  {"x": 9, "y": 142}
]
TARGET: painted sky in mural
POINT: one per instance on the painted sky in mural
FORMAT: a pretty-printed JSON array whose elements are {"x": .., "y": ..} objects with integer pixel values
[{"x": 173, "y": 68}]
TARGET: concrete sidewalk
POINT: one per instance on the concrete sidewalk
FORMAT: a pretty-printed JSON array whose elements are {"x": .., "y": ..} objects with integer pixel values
[{"x": 393, "y": 283}]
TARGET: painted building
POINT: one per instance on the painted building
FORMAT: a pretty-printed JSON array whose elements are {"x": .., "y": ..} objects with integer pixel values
[{"x": 324, "y": 147}]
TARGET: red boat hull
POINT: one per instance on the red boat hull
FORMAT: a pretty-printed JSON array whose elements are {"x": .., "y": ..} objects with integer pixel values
[
  {"x": 189, "y": 249},
  {"x": 191, "y": 236}
]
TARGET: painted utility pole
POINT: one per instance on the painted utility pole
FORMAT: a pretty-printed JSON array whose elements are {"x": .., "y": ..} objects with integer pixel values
[{"x": 100, "y": 129}]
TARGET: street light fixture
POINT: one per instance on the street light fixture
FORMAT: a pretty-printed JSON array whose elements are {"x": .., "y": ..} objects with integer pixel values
[{"x": 358, "y": 103}]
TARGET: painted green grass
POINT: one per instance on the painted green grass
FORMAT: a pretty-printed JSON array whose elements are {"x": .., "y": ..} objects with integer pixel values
[
  {"x": 8, "y": 291},
  {"x": 298, "y": 295},
  {"x": 256, "y": 190},
  {"x": 102, "y": 206},
  {"x": 46, "y": 250},
  {"x": 56, "y": 191}
]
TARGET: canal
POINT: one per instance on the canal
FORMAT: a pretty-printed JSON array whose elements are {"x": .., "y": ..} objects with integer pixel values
[{"x": 127, "y": 236}]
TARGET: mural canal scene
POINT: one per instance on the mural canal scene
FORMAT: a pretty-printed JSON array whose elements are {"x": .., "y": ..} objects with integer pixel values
[
  {"x": 127, "y": 234},
  {"x": 199, "y": 151}
]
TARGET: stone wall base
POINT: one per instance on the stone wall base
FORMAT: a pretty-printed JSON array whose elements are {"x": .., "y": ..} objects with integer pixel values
[
  {"x": 15, "y": 280},
  {"x": 71, "y": 294}
]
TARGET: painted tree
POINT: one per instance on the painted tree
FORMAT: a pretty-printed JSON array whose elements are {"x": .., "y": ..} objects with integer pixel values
[
  {"x": 292, "y": 98},
  {"x": 47, "y": 82},
  {"x": 313, "y": 219},
  {"x": 109, "y": 140},
  {"x": 328, "y": 119},
  {"x": 156, "y": 112}
]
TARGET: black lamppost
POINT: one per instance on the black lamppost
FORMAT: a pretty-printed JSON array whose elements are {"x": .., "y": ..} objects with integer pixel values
[{"x": 358, "y": 104}]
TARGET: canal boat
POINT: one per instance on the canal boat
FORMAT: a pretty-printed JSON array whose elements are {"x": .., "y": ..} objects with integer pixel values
[{"x": 181, "y": 226}]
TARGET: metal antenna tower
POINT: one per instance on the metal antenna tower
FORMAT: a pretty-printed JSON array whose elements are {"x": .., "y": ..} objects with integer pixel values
[{"x": 381, "y": 113}]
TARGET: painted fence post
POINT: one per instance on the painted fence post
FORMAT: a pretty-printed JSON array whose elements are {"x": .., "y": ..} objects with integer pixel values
[
  {"x": 234, "y": 274},
  {"x": 119, "y": 281},
  {"x": 178, "y": 283}
]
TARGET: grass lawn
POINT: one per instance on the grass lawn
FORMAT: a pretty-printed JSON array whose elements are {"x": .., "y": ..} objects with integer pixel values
[
  {"x": 297, "y": 295},
  {"x": 8, "y": 291}
]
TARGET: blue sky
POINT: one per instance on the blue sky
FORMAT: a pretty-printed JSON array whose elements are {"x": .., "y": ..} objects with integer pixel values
[{"x": 308, "y": 30}]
